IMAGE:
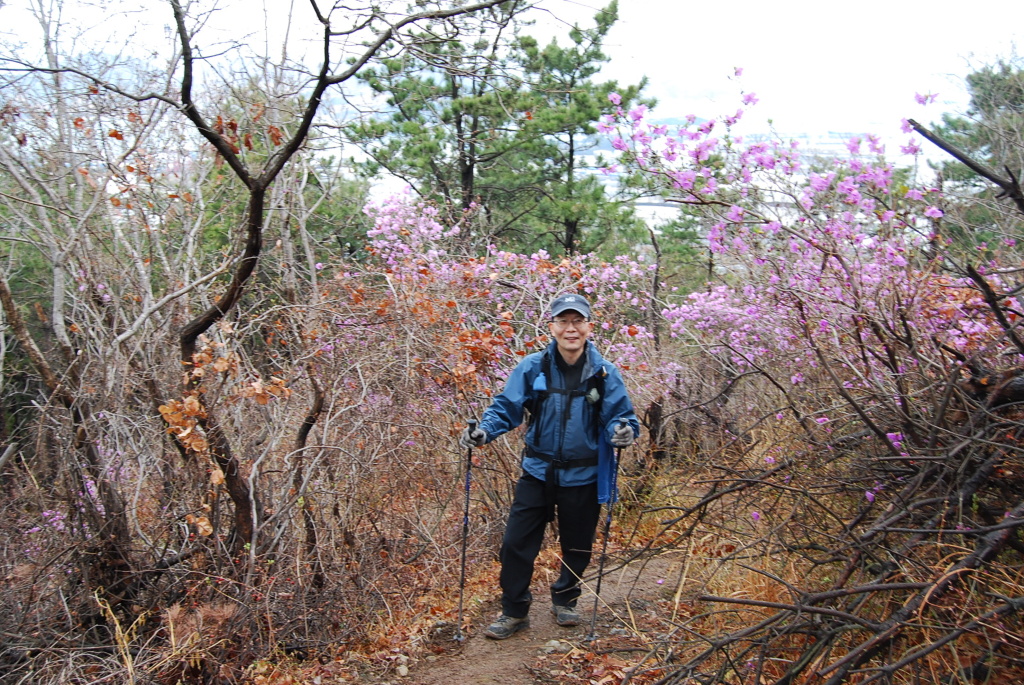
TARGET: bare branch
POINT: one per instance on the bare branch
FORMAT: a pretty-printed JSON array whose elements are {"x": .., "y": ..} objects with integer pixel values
[{"x": 1010, "y": 187}]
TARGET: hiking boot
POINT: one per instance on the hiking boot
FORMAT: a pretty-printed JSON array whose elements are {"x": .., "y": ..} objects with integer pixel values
[
  {"x": 506, "y": 626},
  {"x": 565, "y": 616}
]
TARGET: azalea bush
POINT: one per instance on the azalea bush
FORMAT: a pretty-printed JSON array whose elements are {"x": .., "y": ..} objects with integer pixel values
[{"x": 864, "y": 386}]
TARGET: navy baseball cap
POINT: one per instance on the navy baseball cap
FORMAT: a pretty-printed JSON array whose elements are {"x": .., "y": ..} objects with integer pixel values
[{"x": 570, "y": 301}]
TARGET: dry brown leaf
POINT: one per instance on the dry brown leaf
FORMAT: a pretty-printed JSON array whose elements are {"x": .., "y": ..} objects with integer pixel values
[{"x": 203, "y": 526}]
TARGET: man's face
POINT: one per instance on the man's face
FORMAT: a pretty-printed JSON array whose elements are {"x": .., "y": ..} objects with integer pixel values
[{"x": 571, "y": 331}]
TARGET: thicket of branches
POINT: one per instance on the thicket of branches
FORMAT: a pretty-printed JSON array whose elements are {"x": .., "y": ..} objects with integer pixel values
[
  {"x": 229, "y": 438},
  {"x": 861, "y": 365}
]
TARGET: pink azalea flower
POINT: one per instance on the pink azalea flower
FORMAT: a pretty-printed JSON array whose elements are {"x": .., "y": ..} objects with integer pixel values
[
  {"x": 911, "y": 148},
  {"x": 614, "y": 98},
  {"x": 820, "y": 183}
]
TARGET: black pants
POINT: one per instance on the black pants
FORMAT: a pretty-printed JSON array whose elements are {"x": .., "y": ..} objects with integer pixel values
[{"x": 577, "y": 514}]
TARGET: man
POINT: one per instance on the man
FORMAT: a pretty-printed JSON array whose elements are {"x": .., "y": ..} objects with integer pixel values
[{"x": 575, "y": 401}]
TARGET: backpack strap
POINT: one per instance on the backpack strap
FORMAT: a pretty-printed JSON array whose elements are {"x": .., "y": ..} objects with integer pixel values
[
  {"x": 542, "y": 389},
  {"x": 539, "y": 387}
]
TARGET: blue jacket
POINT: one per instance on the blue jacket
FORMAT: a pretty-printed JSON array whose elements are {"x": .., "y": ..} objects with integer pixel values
[{"x": 558, "y": 431}]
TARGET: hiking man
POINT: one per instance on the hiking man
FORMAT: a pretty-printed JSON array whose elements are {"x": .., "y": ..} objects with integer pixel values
[{"x": 577, "y": 404}]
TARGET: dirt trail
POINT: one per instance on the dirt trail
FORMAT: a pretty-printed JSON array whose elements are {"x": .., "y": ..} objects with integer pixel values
[{"x": 547, "y": 652}]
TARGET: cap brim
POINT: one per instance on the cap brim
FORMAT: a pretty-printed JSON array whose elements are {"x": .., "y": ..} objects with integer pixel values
[{"x": 579, "y": 310}]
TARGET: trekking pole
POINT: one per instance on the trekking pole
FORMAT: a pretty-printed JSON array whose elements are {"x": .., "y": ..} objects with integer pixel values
[
  {"x": 613, "y": 497},
  {"x": 465, "y": 534}
]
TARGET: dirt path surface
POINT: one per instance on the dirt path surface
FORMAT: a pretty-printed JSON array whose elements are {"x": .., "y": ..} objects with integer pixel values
[{"x": 632, "y": 595}]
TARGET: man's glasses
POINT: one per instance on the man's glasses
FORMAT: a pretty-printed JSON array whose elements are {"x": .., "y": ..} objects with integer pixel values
[{"x": 561, "y": 324}]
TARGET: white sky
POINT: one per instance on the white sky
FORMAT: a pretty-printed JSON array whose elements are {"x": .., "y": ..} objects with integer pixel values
[{"x": 816, "y": 66}]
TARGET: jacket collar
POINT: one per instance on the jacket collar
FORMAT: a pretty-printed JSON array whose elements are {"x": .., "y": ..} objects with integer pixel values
[{"x": 592, "y": 358}]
